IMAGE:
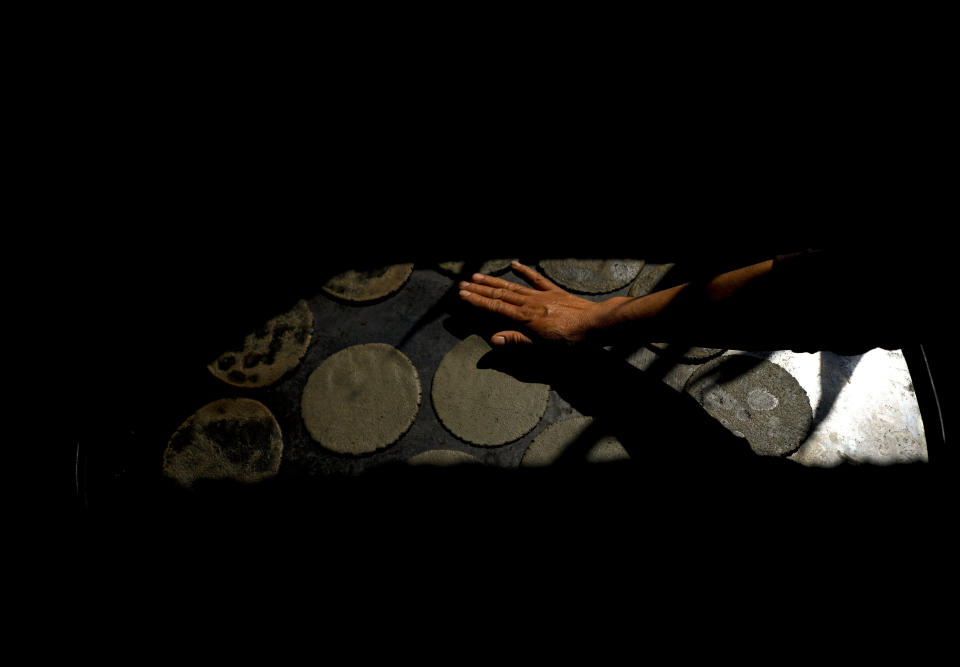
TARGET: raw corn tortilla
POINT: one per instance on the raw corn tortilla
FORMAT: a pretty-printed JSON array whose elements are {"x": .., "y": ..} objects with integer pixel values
[
  {"x": 268, "y": 353},
  {"x": 490, "y": 266},
  {"x": 754, "y": 399},
  {"x": 484, "y": 406},
  {"x": 361, "y": 399},
  {"x": 228, "y": 439},
  {"x": 368, "y": 285},
  {"x": 649, "y": 279},
  {"x": 551, "y": 444},
  {"x": 592, "y": 276}
]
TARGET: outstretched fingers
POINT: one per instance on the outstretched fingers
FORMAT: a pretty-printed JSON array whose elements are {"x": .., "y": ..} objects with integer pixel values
[
  {"x": 533, "y": 277},
  {"x": 500, "y": 283},
  {"x": 501, "y": 293},
  {"x": 493, "y": 305}
]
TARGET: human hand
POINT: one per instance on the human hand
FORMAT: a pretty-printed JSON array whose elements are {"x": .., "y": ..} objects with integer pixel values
[{"x": 545, "y": 310}]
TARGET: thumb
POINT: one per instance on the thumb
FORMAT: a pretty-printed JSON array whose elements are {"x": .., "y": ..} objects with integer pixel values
[{"x": 510, "y": 338}]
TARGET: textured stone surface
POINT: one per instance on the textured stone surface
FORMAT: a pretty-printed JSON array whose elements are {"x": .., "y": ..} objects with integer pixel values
[
  {"x": 268, "y": 353},
  {"x": 755, "y": 399},
  {"x": 592, "y": 276},
  {"x": 442, "y": 458},
  {"x": 228, "y": 439},
  {"x": 552, "y": 443},
  {"x": 361, "y": 399},
  {"x": 368, "y": 285},
  {"x": 484, "y": 406}
]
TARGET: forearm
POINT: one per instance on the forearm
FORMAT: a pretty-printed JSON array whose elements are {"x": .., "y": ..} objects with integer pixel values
[{"x": 668, "y": 314}]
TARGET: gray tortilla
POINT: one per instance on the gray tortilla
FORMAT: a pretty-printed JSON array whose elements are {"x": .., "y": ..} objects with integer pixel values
[
  {"x": 686, "y": 353},
  {"x": 484, "y": 406},
  {"x": 442, "y": 458},
  {"x": 491, "y": 266},
  {"x": 592, "y": 276},
  {"x": 368, "y": 285},
  {"x": 268, "y": 353},
  {"x": 361, "y": 399},
  {"x": 651, "y": 275},
  {"x": 755, "y": 399},
  {"x": 554, "y": 440},
  {"x": 228, "y": 439}
]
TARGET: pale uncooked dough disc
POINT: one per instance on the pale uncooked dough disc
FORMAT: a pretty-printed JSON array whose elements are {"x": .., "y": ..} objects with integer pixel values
[
  {"x": 592, "y": 276},
  {"x": 491, "y": 266},
  {"x": 755, "y": 399},
  {"x": 551, "y": 443},
  {"x": 368, "y": 285},
  {"x": 235, "y": 438},
  {"x": 361, "y": 399},
  {"x": 484, "y": 406},
  {"x": 649, "y": 280},
  {"x": 442, "y": 458},
  {"x": 269, "y": 352}
]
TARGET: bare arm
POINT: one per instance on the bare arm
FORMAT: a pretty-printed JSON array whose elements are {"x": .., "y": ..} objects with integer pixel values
[{"x": 549, "y": 312}]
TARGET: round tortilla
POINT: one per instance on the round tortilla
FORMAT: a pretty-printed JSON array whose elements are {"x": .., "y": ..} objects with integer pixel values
[
  {"x": 236, "y": 438},
  {"x": 268, "y": 353},
  {"x": 368, "y": 285},
  {"x": 442, "y": 458},
  {"x": 651, "y": 275},
  {"x": 554, "y": 440},
  {"x": 592, "y": 276},
  {"x": 491, "y": 266},
  {"x": 361, "y": 399},
  {"x": 686, "y": 354},
  {"x": 484, "y": 406},
  {"x": 755, "y": 399}
]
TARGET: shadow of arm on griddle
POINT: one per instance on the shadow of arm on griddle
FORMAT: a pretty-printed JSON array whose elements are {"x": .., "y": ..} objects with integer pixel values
[{"x": 657, "y": 426}]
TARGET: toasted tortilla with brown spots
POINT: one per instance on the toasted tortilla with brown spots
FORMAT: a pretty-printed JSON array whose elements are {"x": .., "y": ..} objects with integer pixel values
[
  {"x": 235, "y": 439},
  {"x": 268, "y": 353}
]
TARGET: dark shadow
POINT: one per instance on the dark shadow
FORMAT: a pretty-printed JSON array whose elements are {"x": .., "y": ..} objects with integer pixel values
[
  {"x": 834, "y": 376},
  {"x": 658, "y": 426},
  {"x": 447, "y": 303}
]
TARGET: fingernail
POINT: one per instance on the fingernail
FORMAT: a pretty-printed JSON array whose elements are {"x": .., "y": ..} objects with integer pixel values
[
  {"x": 516, "y": 263},
  {"x": 499, "y": 340},
  {"x": 477, "y": 276},
  {"x": 463, "y": 283},
  {"x": 464, "y": 292}
]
